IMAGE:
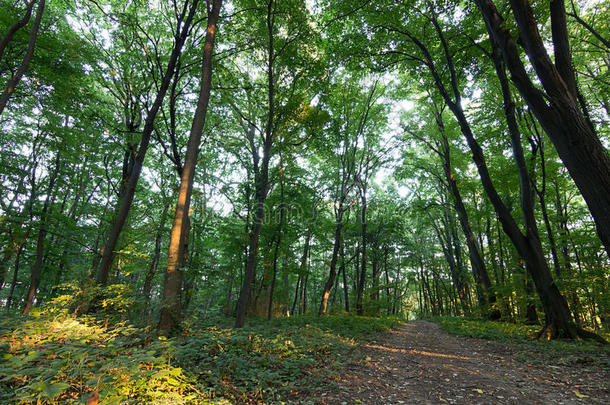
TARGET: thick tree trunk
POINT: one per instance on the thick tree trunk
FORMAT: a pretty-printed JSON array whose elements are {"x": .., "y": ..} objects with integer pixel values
[
  {"x": 562, "y": 118},
  {"x": 171, "y": 301}
]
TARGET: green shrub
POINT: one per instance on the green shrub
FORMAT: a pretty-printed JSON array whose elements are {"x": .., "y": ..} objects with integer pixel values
[{"x": 54, "y": 357}]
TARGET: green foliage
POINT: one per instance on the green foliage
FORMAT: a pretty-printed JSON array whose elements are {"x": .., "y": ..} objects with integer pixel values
[
  {"x": 60, "y": 359},
  {"x": 511, "y": 332},
  {"x": 112, "y": 301},
  {"x": 55, "y": 358}
]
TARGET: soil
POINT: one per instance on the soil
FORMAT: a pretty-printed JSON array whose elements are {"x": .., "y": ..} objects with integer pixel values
[{"x": 419, "y": 363}]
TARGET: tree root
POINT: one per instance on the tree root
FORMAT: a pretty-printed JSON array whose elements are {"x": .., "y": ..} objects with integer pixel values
[
  {"x": 549, "y": 332},
  {"x": 585, "y": 334}
]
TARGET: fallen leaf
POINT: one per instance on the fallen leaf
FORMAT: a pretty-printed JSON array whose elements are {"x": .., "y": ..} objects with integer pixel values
[{"x": 579, "y": 395}]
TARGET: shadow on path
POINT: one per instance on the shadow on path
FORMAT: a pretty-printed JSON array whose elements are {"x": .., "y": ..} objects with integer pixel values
[{"x": 420, "y": 364}]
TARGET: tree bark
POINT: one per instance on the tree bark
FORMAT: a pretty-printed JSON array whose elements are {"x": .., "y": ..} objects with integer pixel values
[
  {"x": 261, "y": 175},
  {"x": 36, "y": 271},
  {"x": 557, "y": 108},
  {"x": 147, "y": 287},
  {"x": 16, "y": 78},
  {"x": 124, "y": 204},
  {"x": 171, "y": 300},
  {"x": 17, "y": 25}
]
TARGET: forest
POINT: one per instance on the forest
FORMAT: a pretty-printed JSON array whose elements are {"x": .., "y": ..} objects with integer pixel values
[{"x": 228, "y": 201}]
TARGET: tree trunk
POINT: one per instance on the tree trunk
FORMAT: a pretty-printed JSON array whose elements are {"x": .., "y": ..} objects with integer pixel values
[
  {"x": 557, "y": 108},
  {"x": 277, "y": 243},
  {"x": 361, "y": 280},
  {"x": 333, "y": 261},
  {"x": 9, "y": 300},
  {"x": 302, "y": 268},
  {"x": 17, "y": 25},
  {"x": 342, "y": 271},
  {"x": 16, "y": 78},
  {"x": 558, "y": 318},
  {"x": 146, "y": 289},
  {"x": 171, "y": 301},
  {"x": 261, "y": 175},
  {"x": 36, "y": 271},
  {"x": 124, "y": 204},
  {"x": 477, "y": 264}
]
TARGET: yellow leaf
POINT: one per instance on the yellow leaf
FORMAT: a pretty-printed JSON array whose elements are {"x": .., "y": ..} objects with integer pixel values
[
  {"x": 480, "y": 391},
  {"x": 579, "y": 395}
]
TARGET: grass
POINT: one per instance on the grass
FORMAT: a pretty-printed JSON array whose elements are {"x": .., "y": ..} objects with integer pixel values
[
  {"x": 515, "y": 333},
  {"x": 56, "y": 358}
]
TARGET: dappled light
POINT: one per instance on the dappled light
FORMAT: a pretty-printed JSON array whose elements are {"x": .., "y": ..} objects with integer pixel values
[{"x": 304, "y": 202}]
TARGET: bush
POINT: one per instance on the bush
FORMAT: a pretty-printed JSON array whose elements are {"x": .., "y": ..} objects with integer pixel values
[{"x": 54, "y": 357}]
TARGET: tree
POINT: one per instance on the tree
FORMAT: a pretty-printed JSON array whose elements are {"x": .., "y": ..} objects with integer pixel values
[
  {"x": 558, "y": 106},
  {"x": 286, "y": 38},
  {"x": 183, "y": 27},
  {"x": 16, "y": 77},
  {"x": 170, "y": 311}
]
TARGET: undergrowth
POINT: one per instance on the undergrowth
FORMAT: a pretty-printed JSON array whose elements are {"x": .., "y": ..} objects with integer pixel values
[
  {"x": 54, "y": 357},
  {"x": 514, "y": 332}
]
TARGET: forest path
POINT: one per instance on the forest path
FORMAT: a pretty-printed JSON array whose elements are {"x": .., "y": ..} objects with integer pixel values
[{"x": 418, "y": 363}]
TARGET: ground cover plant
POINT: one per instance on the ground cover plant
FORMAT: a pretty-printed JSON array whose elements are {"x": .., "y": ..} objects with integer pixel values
[{"x": 54, "y": 357}]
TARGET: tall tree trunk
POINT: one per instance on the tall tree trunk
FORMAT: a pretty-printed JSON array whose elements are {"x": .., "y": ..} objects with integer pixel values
[
  {"x": 261, "y": 175},
  {"x": 362, "y": 278},
  {"x": 124, "y": 204},
  {"x": 558, "y": 318},
  {"x": 557, "y": 108},
  {"x": 479, "y": 270},
  {"x": 171, "y": 301},
  {"x": 152, "y": 270},
  {"x": 538, "y": 145},
  {"x": 16, "y": 78},
  {"x": 17, "y": 25},
  {"x": 277, "y": 243},
  {"x": 36, "y": 271},
  {"x": 333, "y": 261}
]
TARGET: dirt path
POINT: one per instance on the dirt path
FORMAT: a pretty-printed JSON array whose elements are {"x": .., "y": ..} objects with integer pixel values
[{"x": 420, "y": 364}]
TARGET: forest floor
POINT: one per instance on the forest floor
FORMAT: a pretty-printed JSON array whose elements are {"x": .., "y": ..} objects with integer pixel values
[{"x": 419, "y": 363}]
